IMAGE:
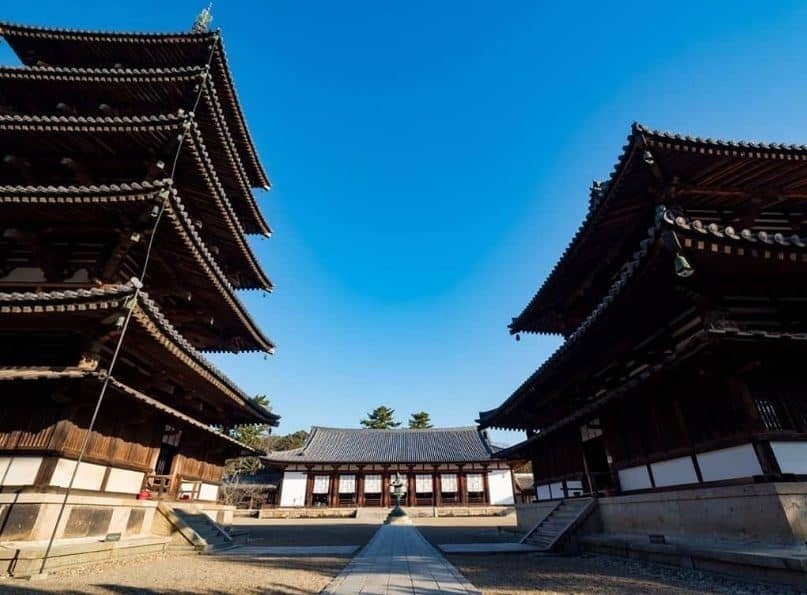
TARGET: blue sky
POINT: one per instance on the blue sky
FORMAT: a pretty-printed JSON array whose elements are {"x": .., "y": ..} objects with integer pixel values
[{"x": 431, "y": 160}]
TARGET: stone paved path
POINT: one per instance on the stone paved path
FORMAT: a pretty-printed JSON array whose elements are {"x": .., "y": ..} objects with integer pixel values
[{"x": 399, "y": 560}]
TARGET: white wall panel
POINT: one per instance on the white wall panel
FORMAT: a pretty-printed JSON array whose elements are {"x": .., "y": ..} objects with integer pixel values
[
  {"x": 556, "y": 489},
  {"x": 19, "y": 471},
  {"x": 574, "y": 488},
  {"x": 124, "y": 481},
  {"x": 500, "y": 486},
  {"x": 88, "y": 477},
  {"x": 674, "y": 472},
  {"x": 634, "y": 478},
  {"x": 543, "y": 493},
  {"x": 792, "y": 456},
  {"x": 209, "y": 492},
  {"x": 729, "y": 463},
  {"x": 293, "y": 489}
]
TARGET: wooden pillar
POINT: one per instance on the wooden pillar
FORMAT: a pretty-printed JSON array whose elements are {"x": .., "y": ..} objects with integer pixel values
[
  {"x": 486, "y": 495},
  {"x": 411, "y": 491},
  {"x": 435, "y": 488},
  {"x": 738, "y": 390},
  {"x": 767, "y": 458},
  {"x": 462, "y": 487},
  {"x": 309, "y": 488},
  {"x": 360, "y": 487},
  {"x": 385, "y": 495},
  {"x": 334, "y": 490}
]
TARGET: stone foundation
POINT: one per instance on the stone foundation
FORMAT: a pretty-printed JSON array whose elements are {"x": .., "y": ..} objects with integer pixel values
[
  {"x": 31, "y": 517},
  {"x": 26, "y": 559},
  {"x": 412, "y": 511},
  {"x": 530, "y": 514},
  {"x": 783, "y": 565},
  {"x": 772, "y": 513}
]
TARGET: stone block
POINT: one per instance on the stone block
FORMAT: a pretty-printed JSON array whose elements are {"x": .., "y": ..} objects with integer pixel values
[
  {"x": 85, "y": 521},
  {"x": 134, "y": 524},
  {"x": 17, "y": 521}
]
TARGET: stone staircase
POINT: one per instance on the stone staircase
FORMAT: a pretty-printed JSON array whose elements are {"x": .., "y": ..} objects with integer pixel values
[
  {"x": 196, "y": 527},
  {"x": 567, "y": 516}
]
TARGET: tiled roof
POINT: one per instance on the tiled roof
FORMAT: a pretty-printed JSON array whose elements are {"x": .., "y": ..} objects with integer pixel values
[
  {"x": 490, "y": 418},
  {"x": 434, "y": 445},
  {"x": 154, "y": 130},
  {"x": 542, "y": 313},
  {"x": 147, "y": 314},
  {"x": 79, "y": 48}
]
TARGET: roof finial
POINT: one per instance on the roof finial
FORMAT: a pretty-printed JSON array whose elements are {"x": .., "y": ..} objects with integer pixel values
[{"x": 203, "y": 20}]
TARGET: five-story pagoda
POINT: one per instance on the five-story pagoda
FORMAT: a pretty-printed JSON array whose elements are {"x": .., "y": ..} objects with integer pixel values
[{"x": 125, "y": 200}]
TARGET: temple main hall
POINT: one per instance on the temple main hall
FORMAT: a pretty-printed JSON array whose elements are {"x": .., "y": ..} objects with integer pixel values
[
  {"x": 676, "y": 398},
  {"x": 350, "y": 469}
]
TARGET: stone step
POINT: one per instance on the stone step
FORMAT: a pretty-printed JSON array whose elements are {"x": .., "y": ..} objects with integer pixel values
[
  {"x": 558, "y": 524},
  {"x": 548, "y": 530},
  {"x": 565, "y": 514},
  {"x": 543, "y": 533},
  {"x": 568, "y": 514},
  {"x": 541, "y": 543}
]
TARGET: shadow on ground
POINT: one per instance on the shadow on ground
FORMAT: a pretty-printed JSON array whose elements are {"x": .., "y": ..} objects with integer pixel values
[
  {"x": 307, "y": 534},
  {"x": 467, "y": 533},
  {"x": 209, "y": 575},
  {"x": 518, "y": 573}
]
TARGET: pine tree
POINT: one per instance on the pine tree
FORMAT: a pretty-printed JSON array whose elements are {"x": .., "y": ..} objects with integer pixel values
[
  {"x": 380, "y": 418},
  {"x": 420, "y": 421},
  {"x": 287, "y": 442},
  {"x": 252, "y": 435}
]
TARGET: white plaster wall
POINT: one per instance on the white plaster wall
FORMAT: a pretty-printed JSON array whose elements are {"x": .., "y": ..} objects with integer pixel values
[
  {"x": 124, "y": 481},
  {"x": 574, "y": 488},
  {"x": 19, "y": 471},
  {"x": 791, "y": 456},
  {"x": 674, "y": 472},
  {"x": 500, "y": 486},
  {"x": 557, "y": 490},
  {"x": 634, "y": 478},
  {"x": 293, "y": 488},
  {"x": 729, "y": 463},
  {"x": 543, "y": 492},
  {"x": 89, "y": 476},
  {"x": 209, "y": 492}
]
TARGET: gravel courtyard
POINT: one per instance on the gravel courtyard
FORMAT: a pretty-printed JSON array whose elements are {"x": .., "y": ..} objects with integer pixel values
[
  {"x": 175, "y": 573},
  {"x": 538, "y": 574}
]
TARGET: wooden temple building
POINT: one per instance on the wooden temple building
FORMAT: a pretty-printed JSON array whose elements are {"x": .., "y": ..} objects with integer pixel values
[
  {"x": 121, "y": 153},
  {"x": 677, "y": 395},
  {"x": 354, "y": 468}
]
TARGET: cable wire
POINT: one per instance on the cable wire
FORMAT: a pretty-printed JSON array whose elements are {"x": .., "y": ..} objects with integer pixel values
[{"x": 131, "y": 305}]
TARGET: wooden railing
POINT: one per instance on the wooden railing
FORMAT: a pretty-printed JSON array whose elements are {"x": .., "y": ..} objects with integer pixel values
[
  {"x": 172, "y": 487},
  {"x": 188, "y": 493},
  {"x": 159, "y": 486}
]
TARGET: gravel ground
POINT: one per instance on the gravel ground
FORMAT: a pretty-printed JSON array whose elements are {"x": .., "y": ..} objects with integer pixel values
[
  {"x": 508, "y": 574},
  {"x": 173, "y": 574}
]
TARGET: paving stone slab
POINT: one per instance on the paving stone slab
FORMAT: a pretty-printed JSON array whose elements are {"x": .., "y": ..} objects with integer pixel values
[{"x": 398, "y": 560}]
